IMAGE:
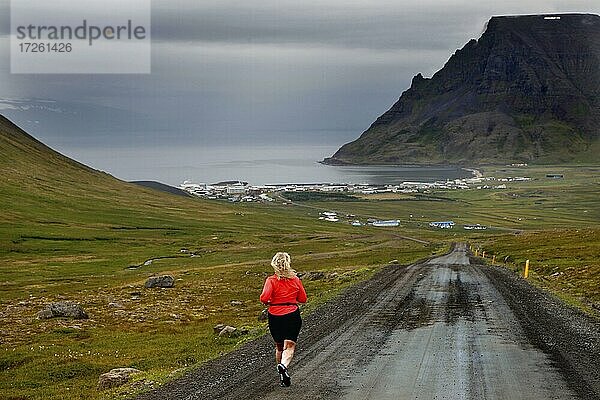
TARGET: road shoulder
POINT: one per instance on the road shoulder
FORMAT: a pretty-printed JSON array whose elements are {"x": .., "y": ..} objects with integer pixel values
[{"x": 570, "y": 337}]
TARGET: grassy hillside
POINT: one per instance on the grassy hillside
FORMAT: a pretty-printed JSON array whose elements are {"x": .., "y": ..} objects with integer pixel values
[
  {"x": 70, "y": 233},
  {"x": 563, "y": 260}
]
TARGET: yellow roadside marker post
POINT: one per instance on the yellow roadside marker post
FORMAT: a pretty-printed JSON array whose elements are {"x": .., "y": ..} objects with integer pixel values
[
  {"x": 476, "y": 252},
  {"x": 483, "y": 254},
  {"x": 493, "y": 259},
  {"x": 526, "y": 272}
]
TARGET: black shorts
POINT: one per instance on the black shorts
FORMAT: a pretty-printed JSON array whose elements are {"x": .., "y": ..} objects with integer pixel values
[{"x": 285, "y": 327}]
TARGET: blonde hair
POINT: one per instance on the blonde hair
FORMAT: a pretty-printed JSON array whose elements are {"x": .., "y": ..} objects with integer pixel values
[{"x": 281, "y": 264}]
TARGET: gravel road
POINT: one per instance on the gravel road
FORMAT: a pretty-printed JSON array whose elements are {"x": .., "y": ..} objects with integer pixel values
[{"x": 443, "y": 329}]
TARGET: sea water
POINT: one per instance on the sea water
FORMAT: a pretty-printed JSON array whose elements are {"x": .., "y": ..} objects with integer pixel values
[{"x": 258, "y": 165}]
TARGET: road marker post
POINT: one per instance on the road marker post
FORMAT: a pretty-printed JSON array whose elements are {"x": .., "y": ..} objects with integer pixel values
[
  {"x": 476, "y": 252},
  {"x": 483, "y": 254},
  {"x": 526, "y": 272},
  {"x": 493, "y": 259}
]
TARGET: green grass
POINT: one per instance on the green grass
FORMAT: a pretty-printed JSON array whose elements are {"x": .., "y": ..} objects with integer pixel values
[
  {"x": 563, "y": 260},
  {"x": 319, "y": 196}
]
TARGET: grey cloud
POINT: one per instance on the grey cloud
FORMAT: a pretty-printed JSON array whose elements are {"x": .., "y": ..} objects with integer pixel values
[
  {"x": 256, "y": 70},
  {"x": 427, "y": 24},
  {"x": 4, "y": 17},
  {"x": 321, "y": 24}
]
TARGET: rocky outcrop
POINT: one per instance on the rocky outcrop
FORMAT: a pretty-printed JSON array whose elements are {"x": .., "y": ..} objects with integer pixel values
[
  {"x": 64, "y": 309},
  {"x": 163, "y": 281},
  {"x": 229, "y": 331},
  {"x": 527, "y": 91},
  {"x": 116, "y": 377}
]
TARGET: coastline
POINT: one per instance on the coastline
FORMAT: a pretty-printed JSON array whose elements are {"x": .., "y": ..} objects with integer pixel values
[
  {"x": 476, "y": 173},
  {"x": 330, "y": 161}
]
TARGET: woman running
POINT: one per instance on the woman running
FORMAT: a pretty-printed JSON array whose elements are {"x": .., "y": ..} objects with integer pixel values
[{"x": 282, "y": 293}]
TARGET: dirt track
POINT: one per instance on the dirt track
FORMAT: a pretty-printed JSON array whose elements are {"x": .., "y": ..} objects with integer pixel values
[{"x": 444, "y": 329}]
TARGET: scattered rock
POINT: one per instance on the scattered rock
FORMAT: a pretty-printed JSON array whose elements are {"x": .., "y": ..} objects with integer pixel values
[
  {"x": 135, "y": 295},
  {"x": 236, "y": 303},
  {"x": 312, "y": 276},
  {"x": 393, "y": 262},
  {"x": 113, "y": 304},
  {"x": 229, "y": 331},
  {"x": 67, "y": 309},
  {"x": 116, "y": 377},
  {"x": 163, "y": 281}
]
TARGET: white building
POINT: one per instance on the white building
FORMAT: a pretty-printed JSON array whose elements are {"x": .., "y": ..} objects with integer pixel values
[
  {"x": 442, "y": 224},
  {"x": 236, "y": 189}
]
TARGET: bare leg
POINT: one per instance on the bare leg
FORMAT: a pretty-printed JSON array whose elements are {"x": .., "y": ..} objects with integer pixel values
[
  {"x": 288, "y": 352},
  {"x": 278, "y": 352}
]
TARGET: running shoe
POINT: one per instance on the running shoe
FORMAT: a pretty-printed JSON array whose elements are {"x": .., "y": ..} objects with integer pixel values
[
  {"x": 280, "y": 377},
  {"x": 284, "y": 377}
]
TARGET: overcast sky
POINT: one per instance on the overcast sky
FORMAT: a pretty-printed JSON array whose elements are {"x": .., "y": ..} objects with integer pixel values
[{"x": 255, "y": 71}]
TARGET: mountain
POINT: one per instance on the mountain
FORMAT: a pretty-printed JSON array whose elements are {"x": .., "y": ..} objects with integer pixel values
[
  {"x": 162, "y": 187},
  {"x": 527, "y": 91}
]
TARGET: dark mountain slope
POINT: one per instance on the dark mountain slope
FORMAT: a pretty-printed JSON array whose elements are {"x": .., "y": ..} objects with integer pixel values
[
  {"x": 527, "y": 90},
  {"x": 161, "y": 187}
]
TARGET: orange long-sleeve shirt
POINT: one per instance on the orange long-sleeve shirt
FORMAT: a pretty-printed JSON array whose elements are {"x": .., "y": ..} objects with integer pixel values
[{"x": 278, "y": 291}]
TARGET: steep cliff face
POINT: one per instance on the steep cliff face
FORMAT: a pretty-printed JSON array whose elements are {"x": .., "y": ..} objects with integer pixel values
[{"x": 528, "y": 90}]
